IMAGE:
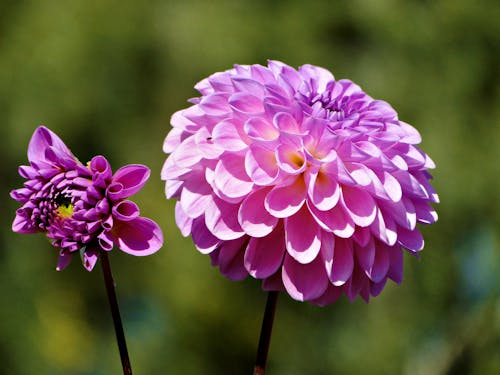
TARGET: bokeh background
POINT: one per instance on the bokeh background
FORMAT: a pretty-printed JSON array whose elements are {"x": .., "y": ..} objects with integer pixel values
[{"x": 106, "y": 76}]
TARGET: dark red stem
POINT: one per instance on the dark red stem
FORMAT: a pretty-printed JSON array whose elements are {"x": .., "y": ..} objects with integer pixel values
[
  {"x": 115, "y": 313},
  {"x": 265, "y": 333}
]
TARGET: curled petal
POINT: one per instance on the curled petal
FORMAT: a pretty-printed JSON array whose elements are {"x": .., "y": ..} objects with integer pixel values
[
  {"x": 106, "y": 241},
  {"x": 140, "y": 236},
  {"x": 89, "y": 258},
  {"x": 131, "y": 178},
  {"x": 125, "y": 211},
  {"x": 215, "y": 104},
  {"x": 173, "y": 140},
  {"x": 43, "y": 140},
  {"x": 101, "y": 170},
  {"x": 384, "y": 228},
  {"x": 425, "y": 213},
  {"x": 22, "y": 222}
]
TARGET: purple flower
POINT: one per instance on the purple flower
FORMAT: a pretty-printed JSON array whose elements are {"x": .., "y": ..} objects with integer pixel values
[
  {"x": 82, "y": 207},
  {"x": 299, "y": 180}
]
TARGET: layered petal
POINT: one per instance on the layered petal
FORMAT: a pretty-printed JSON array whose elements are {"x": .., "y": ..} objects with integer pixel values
[
  {"x": 82, "y": 208},
  {"x": 140, "y": 236},
  {"x": 127, "y": 181},
  {"x": 298, "y": 179}
]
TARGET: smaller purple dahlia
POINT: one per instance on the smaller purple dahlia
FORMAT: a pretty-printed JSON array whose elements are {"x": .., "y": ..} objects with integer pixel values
[{"x": 82, "y": 207}]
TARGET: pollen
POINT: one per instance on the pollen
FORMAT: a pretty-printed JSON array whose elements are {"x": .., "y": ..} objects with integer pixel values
[{"x": 65, "y": 211}]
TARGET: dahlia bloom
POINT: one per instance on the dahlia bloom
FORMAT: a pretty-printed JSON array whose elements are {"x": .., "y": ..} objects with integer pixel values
[
  {"x": 300, "y": 180},
  {"x": 82, "y": 207}
]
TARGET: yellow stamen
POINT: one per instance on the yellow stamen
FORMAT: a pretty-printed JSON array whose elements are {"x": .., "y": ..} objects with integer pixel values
[{"x": 65, "y": 211}]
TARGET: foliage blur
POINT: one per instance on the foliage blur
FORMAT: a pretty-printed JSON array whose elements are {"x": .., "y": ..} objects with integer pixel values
[{"x": 106, "y": 75}]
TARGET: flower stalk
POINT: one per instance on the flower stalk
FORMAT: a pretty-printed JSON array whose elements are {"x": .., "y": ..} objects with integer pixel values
[
  {"x": 265, "y": 333},
  {"x": 115, "y": 313}
]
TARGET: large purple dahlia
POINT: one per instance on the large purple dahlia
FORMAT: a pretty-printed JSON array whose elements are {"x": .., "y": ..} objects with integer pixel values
[
  {"x": 300, "y": 180},
  {"x": 82, "y": 207}
]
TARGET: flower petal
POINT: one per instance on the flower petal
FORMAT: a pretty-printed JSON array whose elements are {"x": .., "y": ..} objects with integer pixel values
[
  {"x": 140, "y": 236},
  {"x": 290, "y": 159},
  {"x": 63, "y": 260},
  {"x": 184, "y": 222},
  {"x": 89, "y": 258},
  {"x": 231, "y": 258},
  {"x": 22, "y": 223},
  {"x": 303, "y": 236},
  {"x": 323, "y": 191},
  {"x": 410, "y": 239},
  {"x": 261, "y": 165},
  {"x": 253, "y": 217},
  {"x": 331, "y": 295},
  {"x": 395, "y": 271},
  {"x": 365, "y": 255},
  {"x": 221, "y": 219},
  {"x": 226, "y": 135},
  {"x": 425, "y": 213},
  {"x": 203, "y": 239},
  {"x": 131, "y": 178},
  {"x": 125, "y": 211},
  {"x": 230, "y": 178},
  {"x": 101, "y": 171},
  {"x": 196, "y": 195},
  {"x": 41, "y": 141},
  {"x": 335, "y": 220},
  {"x": 264, "y": 255},
  {"x": 246, "y": 103},
  {"x": 186, "y": 154},
  {"x": 381, "y": 264},
  {"x": 304, "y": 281},
  {"x": 360, "y": 205},
  {"x": 260, "y": 129},
  {"x": 343, "y": 262},
  {"x": 284, "y": 201}
]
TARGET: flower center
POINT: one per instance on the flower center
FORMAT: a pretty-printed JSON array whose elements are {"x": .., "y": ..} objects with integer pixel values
[{"x": 64, "y": 206}]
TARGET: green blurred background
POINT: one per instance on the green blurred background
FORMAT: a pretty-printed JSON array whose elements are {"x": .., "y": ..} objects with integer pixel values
[{"x": 107, "y": 75}]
